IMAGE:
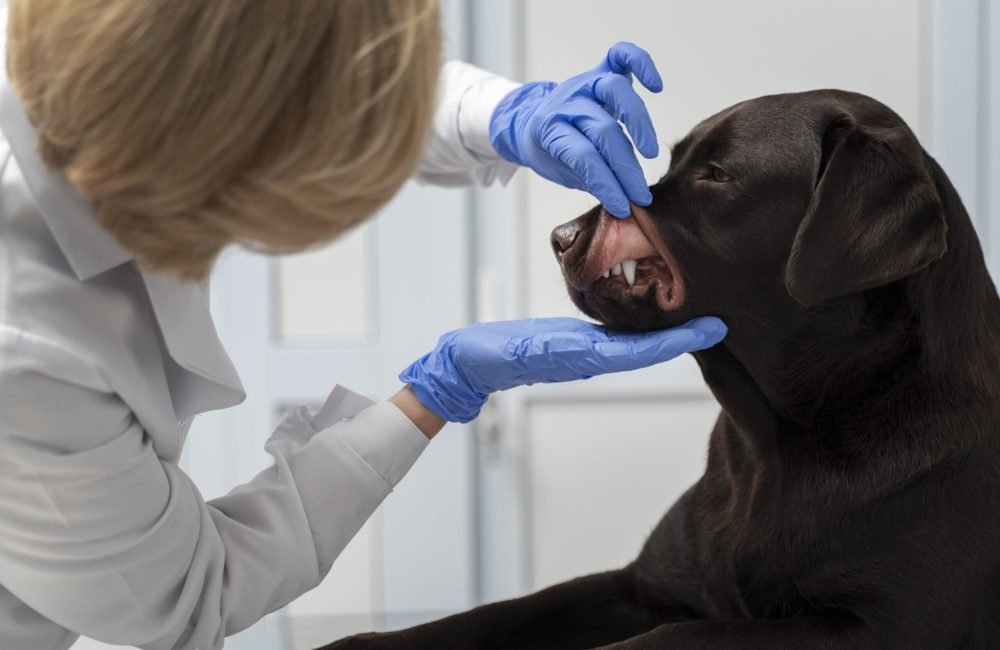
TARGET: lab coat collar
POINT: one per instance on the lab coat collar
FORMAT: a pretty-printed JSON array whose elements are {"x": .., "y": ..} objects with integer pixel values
[
  {"x": 181, "y": 308},
  {"x": 88, "y": 247}
]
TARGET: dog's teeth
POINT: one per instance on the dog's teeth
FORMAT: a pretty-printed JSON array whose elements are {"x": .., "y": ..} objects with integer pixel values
[
  {"x": 628, "y": 268},
  {"x": 607, "y": 274},
  {"x": 616, "y": 269}
]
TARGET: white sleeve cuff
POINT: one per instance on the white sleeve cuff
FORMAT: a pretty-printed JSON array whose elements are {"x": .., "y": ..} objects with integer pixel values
[
  {"x": 459, "y": 151},
  {"x": 475, "y": 109},
  {"x": 345, "y": 459},
  {"x": 387, "y": 440}
]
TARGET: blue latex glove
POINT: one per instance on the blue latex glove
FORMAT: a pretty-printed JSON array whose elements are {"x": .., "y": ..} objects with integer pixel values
[
  {"x": 570, "y": 133},
  {"x": 467, "y": 365}
]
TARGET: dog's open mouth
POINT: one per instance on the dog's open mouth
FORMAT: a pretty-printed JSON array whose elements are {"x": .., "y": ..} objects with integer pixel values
[{"x": 625, "y": 259}]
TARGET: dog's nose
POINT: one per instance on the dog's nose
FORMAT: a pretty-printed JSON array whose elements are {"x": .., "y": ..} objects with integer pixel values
[{"x": 563, "y": 238}]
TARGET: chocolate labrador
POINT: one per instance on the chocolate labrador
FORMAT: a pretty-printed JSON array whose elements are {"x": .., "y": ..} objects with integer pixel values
[{"x": 852, "y": 494}]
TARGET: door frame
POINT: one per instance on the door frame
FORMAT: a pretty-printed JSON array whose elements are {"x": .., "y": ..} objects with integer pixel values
[{"x": 962, "y": 106}]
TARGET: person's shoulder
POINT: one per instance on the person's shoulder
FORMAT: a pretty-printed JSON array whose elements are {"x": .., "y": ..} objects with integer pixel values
[
  {"x": 39, "y": 292},
  {"x": 54, "y": 401},
  {"x": 47, "y": 314},
  {"x": 26, "y": 354}
]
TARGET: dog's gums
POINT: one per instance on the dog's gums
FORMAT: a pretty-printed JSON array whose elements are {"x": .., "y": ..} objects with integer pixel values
[
  {"x": 670, "y": 282},
  {"x": 623, "y": 260}
]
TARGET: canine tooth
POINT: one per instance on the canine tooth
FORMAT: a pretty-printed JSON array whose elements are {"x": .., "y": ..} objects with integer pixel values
[
  {"x": 628, "y": 268},
  {"x": 616, "y": 269}
]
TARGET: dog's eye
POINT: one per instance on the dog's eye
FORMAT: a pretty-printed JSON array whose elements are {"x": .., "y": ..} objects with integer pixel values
[{"x": 719, "y": 175}]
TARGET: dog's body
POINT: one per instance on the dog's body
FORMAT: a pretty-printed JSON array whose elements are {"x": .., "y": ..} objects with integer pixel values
[{"x": 852, "y": 494}]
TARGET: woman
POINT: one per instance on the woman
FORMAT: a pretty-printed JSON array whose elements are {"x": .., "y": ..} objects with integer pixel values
[{"x": 141, "y": 137}]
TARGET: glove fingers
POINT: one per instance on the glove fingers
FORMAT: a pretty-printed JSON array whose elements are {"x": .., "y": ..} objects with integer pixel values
[
  {"x": 608, "y": 137},
  {"x": 642, "y": 350},
  {"x": 713, "y": 329},
  {"x": 629, "y": 58},
  {"x": 615, "y": 92},
  {"x": 627, "y": 350},
  {"x": 578, "y": 153},
  {"x": 560, "y": 324},
  {"x": 530, "y": 326}
]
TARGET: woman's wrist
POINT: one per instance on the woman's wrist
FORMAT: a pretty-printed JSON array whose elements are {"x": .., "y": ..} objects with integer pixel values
[{"x": 426, "y": 420}]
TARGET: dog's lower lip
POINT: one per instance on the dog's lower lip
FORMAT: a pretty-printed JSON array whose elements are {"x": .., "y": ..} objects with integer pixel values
[
  {"x": 656, "y": 281},
  {"x": 644, "y": 272}
]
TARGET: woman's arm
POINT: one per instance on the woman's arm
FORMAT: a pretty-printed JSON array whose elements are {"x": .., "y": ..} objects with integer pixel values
[
  {"x": 101, "y": 536},
  {"x": 458, "y": 150},
  {"x": 570, "y": 133},
  {"x": 425, "y": 419}
]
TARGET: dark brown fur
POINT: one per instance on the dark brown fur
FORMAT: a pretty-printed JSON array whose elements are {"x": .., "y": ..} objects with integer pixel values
[{"x": 852, "y": 495}]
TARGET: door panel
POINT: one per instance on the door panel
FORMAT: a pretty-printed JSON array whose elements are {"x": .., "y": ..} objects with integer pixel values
[
  {"x": 305, "y": 316},
  {"x": 603, "y": 475}
]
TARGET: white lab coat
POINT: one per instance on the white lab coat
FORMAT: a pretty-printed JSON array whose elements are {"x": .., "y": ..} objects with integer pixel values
[{"x": 102, "y": 368}]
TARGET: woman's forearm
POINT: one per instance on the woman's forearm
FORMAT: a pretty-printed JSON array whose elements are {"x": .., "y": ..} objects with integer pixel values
[{"x": 407, "y": 402}]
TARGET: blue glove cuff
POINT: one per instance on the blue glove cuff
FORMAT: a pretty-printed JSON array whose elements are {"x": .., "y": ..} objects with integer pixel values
[
  {"x": 509, "y": 115},
  {"x": 453, "y": 400}
]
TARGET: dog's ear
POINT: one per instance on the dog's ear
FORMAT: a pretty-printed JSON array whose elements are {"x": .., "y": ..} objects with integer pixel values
[{"x": 875, "y": 215}]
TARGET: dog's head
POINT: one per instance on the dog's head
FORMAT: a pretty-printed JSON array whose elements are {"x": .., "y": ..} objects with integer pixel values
[{"x": 770, "y": 209}]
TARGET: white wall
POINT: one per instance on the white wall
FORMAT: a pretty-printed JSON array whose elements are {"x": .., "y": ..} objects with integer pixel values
[{"x": 602, "y": 475}]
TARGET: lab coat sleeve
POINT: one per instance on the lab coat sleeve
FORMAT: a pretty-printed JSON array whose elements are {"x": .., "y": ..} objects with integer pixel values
[
  {"x": 458, "y": 151},
  {"x": 104, "y": 538}
]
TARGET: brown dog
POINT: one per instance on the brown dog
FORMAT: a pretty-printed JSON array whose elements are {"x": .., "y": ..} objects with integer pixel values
[{"x": 852, "y": 495}]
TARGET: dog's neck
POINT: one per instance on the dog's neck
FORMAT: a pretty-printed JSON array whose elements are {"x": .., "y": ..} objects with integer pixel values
[{"x": 883, "y": 366}]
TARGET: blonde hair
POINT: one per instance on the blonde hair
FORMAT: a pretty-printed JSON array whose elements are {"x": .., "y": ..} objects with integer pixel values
[{"x": 194, "y": 124}]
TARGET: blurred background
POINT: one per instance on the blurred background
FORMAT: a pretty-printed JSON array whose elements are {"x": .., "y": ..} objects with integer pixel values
[{"x": 554, "y": 481}]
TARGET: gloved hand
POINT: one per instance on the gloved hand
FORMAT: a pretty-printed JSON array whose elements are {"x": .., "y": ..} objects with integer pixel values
[
  {"x": 569, "y": 132},
  {"x": 467, "y": 365}
]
